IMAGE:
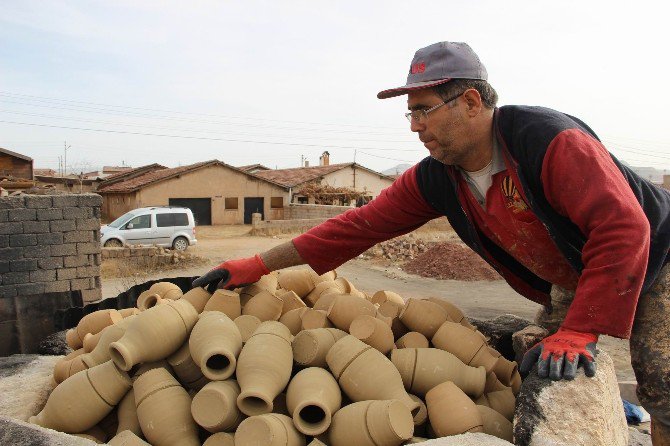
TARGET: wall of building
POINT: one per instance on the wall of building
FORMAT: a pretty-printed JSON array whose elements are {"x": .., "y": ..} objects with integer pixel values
[
  {"x": 17, "y": 167},
  {"x": 311, "y": 211},
  {"x": 358, "y": 179},
  {"x": 115, "y": 205}
]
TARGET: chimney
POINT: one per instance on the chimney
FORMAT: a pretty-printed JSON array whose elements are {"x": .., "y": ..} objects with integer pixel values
[{"x": 324, "y": 159}]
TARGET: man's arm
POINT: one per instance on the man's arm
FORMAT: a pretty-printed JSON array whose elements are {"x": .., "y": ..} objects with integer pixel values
[{"x": 282, "y": 256}]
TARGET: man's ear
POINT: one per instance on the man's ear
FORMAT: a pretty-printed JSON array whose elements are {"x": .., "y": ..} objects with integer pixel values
[{"x": 473, "y": 102}]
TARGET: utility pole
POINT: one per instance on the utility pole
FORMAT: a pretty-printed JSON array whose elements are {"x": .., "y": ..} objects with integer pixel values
[
  {"x": 354, "y": 155},
  {"x": 65, "y": 158},
  {"x": 302, "y": 160}
]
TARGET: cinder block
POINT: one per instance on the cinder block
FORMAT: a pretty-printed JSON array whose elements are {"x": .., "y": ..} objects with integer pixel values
[
  {"x": 91, "y": 295},
  {"x": 77, "y": 212},
  {"x": 7, "y": 291},
  {"x": 57, "y": 286},
  {"x": 66, "y": 273},
  {"x": 75, "y": 261},
  {"x": 69, "y": 249},
  {"x": 13, "y": 227},
  {"x": 88, "y": 224},
  {"x": 65, "y": 201},
  {"x": 36, "y": 252},
  {"x": 38, "y": 201},
  {"x": 21, "y": 214},
  {"x": 96, "y": 212},
  {"x": 3, "y": 215},
  {"x": 11, "y": 202},
  {"x": 12, "y": 278},
  {"x": 50, "y": 263},
  {"x": 80, "y": 284},
  {"x": 43, "y": 275},
  {"x": 22, "y": 240},
  {"x": 92, "y": 200},
  {"x": 87, "y": 271},
  {"x": 62, "y": 225},
  {"x": 50, "y": 238},
  {"x": 23, "y": 265},
  {"x": 35, "y": 227},
  {"x": 88, "y": 248},
  {"x": 49, "y": 214},
  {"x": 28, "y": 289},
  {"x": 94, "y": 259},
  {"x": 4, "y": 241},
  {"x": 78, "y": 236},
  {"x": 4, "y": 267},
  {"x": 11, "y": 253}
]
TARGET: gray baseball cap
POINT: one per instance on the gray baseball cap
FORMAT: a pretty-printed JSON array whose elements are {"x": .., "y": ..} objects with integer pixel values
[{"x": 439, "y": 63}]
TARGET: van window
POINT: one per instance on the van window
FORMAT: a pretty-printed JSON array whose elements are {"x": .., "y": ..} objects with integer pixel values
[
  {"x": 165, "y": 220},
  {"x": 180, "y": 219},
  {"x": 141, "y": 222},
  {"x": 116, "y": 223}
]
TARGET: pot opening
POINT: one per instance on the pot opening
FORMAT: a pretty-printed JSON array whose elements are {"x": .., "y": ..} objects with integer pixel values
[
  {"x": 312, "y": 414},
  {"x": 217, "y": 362},
  {"x": 253, "y": 405},
  {"x": 118, "y": 358}
]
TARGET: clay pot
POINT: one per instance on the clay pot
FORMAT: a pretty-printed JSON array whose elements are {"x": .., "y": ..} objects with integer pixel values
[
  {"x": 345, "y": 308},
  {"x": 495, "y": 424},
  {"x": 290, "y": 300},
  {"x": 373, "y": 332},
  {"x": 359, "y": 369},
  {"x": 383, "y": 296},
  {"x": 79, "y": 403},
  {"x": 91, "y": 340},
  {"x": 455, "y": 314},
  {"x": 198, "y": 297},
  {"x": 264, "y": 367},
  {"x": 164, "y": 410},
  {"x": 312, "y": 319},
  {"x": 166, "y": 290},
  {"x": 293, "y": 319},
  {"x": 451, "y": 412},
  {"x": 424, "y": 368},
  {"x": 465, "y": 344},
  {"x": 320, "y": 290},
  {"x": 413, "y": 339},
  {"x": 247, "y": 324},
  {"x": 423, "y": 316},
  {"x": 504, "y": 370},
  {"x": 268, "y": 430},
  {"x": 421, "y": 417},
  {"x": 296, "y": 280},
  {"x": 325, "y": 301},
  {"x": 325, "y": 277},
  {"x": 146, "y": 300},
  {"x": 214, "y": 344},
  {"x": 127, "y": 438},
  {"x": 310, "y": 347},
  {"x": 502, "y": 401},
  {"x": 110, "y": 334},
  {"x": 389, "y": 311},
  {"x": 145, "y": 367},
  {"x": 371, "y": 423},
  {"x": 187, "y": 371},
  {"x": 493, "y": 383},
  {"x": 154, "y": 334},
  {"x": 225, "y": 301},
  {"x": 312, "y": 397},
  {"x": 220, "y": 439},
  {"x": 127, "y": 415},
  {"x": 62, "y": 367},
  {"x": 214, "y": 407},
  {"x": 127, "y": 312},
  {"x": 91, "y": 323},
  {"x": 265, "y": 306}
]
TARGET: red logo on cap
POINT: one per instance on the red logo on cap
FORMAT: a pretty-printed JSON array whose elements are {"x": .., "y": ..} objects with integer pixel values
[{"x": 418, "y": 68}]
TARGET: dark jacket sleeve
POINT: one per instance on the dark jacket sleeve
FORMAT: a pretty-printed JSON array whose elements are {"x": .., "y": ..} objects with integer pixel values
[
  {"x": 399, "y": 209},
  {"x": 581, "y": 182}
]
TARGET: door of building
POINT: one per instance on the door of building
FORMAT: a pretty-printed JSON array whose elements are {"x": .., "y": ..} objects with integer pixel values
[
  {"x": 252, "y": 205},
  {"x": 201, "y": 208}
]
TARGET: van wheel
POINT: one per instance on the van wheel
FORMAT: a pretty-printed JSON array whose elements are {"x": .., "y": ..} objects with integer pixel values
[
  {"x": 180, "y": 244},
  {"x": 113, "y": 243}
]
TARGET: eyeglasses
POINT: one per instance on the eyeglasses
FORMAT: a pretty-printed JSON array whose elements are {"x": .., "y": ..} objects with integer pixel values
[{"x": 418, "y": 115}]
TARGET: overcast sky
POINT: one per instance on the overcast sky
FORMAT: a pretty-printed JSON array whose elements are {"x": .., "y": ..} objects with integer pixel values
[{"x": 271, "y": 81}]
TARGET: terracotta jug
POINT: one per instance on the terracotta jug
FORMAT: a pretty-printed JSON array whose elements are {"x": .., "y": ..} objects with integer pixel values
[
  {"x": 495, "y": 424},
  {"x": 424, "y": 368},
  {"x": 312, "y": 397},
  {"x": 422, "y": 417},
  {"x": 126, "y": 414},
  {"x": 310, "y": 347},
  {"x": 320, "y": 290},
  {"x": 166, "y": 290},
  {"x": 91, "y": 340},
  {"x": 268, "y": 430},
  {"x": 164, "y": 410},
  {"x": 493, "y": 383},
  {"x": 296, "y": 280},
  {"x": 265, "y": 306},
  {"x": 247, "y": 324},
  {"x": 225, "y": 301},
  {"x": 502, "y": 401},
  {"x": 293, "y": 319},
  {"x": 451, "y": 412},
  {"x": 423, "y": 316},
  {"x": 371, "y": 423},
  {"x": 465, "y": 344},
  {"x": 62, "y": 367},
  {"x": 147, "y": 299},
  {"x": 455, "y": 314},
  {"x": 214, "y": 344},
  {"x": 383, "y": 296},
  {"x": 127, "y": 438},
  {"x": 110, "y": 334},
  {"x": 312, "y": 319},
  {"x": 91, "y": 323},
  {"x": 290, "y": 300},
  {"x": 220, "y": 439},
  {"x": 187, "y": 371},
  {"x": 413, "y": 339},
  {"x": 80, "y": 402},
  {"x": 346, "y": 307},
  {"x": 214, "y": 407},
  {"x": 198, "y": 297},
  {"x": 264, "y": 367},
  {"x": 504, "y": 370},
  {"x": 154, "y": 334},
  {"x": 373, "y": 332},
  {"x": 359, "y": 369}
]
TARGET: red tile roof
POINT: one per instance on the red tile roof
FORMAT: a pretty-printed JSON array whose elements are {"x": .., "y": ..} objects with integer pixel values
[{"x": 299, "y": 175}]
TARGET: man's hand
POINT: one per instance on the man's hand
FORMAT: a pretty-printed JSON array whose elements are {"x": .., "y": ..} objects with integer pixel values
[
  {"x": 233, "y": 274},
  {"x": 558, "y": 356}
]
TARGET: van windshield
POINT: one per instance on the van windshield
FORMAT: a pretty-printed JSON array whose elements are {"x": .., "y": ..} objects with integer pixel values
[{"x": 122, "y": 219}]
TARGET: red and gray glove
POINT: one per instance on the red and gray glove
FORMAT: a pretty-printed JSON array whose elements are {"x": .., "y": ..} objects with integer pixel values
[
  {"x": 558, "y": 356},
  {"x": 233, "y": 274}
]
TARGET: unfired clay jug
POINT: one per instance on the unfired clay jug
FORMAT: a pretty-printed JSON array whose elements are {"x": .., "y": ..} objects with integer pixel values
[
  {"x": 373, "y": 332},
  {"x": 504, "y": 369},
  {"x": 390, "y": 312},
  {"x": 346, "y": 307},
  {"x": 198, "y": 297},
  {"x": 310, "y": 347},
  {"x": 220, "y": 439},
  {"x": 312, "y": 397},
  {"x": 164, "y": 410},
  {"x": 147, "y": 299},
  {"x": 371, "y": 423},
  {"x": 268, "y": 430},
  {"x": 126, "y": 413},
  {"x": 108, "y": 335},
  {"x": 465, "y": 344},
  {"x": 247, "y": 324},
  {"x": 91, "y": 323},
  {"x": 154, "y": 334},
  {"x": 80, "y": 402},
  {"x": 413, "y": 339},
  {"x": 312, "y": 319},
  {"x": 495, "y": 424},
  {"x": 264, "y": 367},
  {"x": 382, "y": 296},
  {"x": 146, "y": 366},
  {"x": 424, "y": 368},
  {"x": 296, "y": 280},
  {"x": 325, "y": 301},
  {"x": 451, "y": 412},
  {"x": 214, "y": 407},
  {"x": 423, "y": 316},
  {"x": 502, "y": 401},
  {"x": 127, "y": 438},
  {"x": 265, "y": 305},
  {"x": 225, "y": 301},
  {"x": 359, "y": 369},
  {"x": 422, "y": 416},
  {"x": 455, "y": 314},
  {"x": 290, "y": 300},
  {"x": 493, "y": 383},
  {"x": 320, "y": 290},
  {"x": 187, "y": 371},
  {"x": 91, "y": 340},
  {"x": 166, "y": 290},
  {"x": 214, "y": 344},
  {"x": 62, "y": 367},
  {"x": 126, "y": 312},
  {"x": 328, "y": 276},
  {"x": 293, "y": 319}
]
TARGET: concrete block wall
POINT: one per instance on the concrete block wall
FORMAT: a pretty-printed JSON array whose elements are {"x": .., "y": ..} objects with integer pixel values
[{"x": 312, "y": 211}]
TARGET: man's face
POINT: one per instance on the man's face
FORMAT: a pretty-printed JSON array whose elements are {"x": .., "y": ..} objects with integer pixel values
[{"x": 444, "y": 131}]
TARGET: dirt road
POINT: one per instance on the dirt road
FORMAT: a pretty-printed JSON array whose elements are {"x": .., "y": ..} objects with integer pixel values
[{"x": 481, "y": 299}]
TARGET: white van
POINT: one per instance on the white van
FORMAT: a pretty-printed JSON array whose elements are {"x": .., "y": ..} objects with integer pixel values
[{"x": 167, "y": 226}]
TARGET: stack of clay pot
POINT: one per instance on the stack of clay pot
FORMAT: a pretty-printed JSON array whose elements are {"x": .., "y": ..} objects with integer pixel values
[{"x": 293, "y": 359}]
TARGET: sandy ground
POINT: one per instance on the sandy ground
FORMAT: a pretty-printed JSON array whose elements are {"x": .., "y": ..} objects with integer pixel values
[{"x": 481, "y": 299}]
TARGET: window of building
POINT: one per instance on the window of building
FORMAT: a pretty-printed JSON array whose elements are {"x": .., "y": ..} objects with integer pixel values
[
  {"x": 276, "y": 202},
  {"x": 302, "y": 200},
  {"x": 231, "y": 203}
]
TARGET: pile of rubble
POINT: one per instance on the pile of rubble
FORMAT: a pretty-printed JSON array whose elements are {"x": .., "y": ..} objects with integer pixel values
[
  {"x": 451, "y": 261},
  {"x": 399, "y": 249}
]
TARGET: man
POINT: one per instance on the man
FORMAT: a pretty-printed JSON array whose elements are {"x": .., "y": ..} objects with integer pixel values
[{"x": 535, "y": 193}]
